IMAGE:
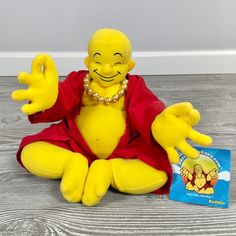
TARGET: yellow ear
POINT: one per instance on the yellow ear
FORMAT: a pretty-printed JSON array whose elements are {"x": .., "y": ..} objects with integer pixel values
[
  {"x": 131, "y": 64},
  {"x": 86, "y": 61}
]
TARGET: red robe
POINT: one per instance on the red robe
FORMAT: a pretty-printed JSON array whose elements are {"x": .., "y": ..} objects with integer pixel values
[{"x": 141, "y": 105}]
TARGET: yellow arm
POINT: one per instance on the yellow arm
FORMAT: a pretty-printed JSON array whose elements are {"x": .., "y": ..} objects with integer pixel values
[
  {"x": 185, "y": 173},
  {"x": 43, "y": 85},
  {"x": 212, "y": 174},
  {"x": 173, "y": 126}
]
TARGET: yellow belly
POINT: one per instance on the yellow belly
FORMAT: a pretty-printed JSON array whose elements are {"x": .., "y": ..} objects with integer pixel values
[
  {"x": 200, "y": 181},
  {"x": 102, "y": 127}
]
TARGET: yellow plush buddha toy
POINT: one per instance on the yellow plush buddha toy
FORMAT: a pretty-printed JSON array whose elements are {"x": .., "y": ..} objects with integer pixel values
[{"x": 113, "y": 130}]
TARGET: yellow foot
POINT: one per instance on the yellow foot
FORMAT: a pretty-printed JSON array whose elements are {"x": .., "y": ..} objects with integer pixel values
[
  {"x": 189, "y": 186},
  {"x": 97, "y": 183},
  {"x": 73, "y": 180},
  {"x": 209, "y": 190},
  {"x": 196, "y": 188}
]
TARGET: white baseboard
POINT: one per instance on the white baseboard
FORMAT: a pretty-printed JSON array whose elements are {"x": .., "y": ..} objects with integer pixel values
[{"x": 147, "y": 63}]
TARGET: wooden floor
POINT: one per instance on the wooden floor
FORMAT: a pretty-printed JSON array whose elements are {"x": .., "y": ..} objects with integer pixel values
[{"x": 33, "y": 206}]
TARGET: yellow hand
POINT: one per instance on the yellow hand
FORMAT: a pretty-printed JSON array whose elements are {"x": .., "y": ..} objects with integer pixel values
[
  {"x": 184, "y": 172},
  {"x": 43, "y": 85},
  {"x": 173, "y": 126}
]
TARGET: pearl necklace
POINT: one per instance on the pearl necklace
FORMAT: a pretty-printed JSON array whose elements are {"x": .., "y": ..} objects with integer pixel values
[{"x": 102, "y": 99}]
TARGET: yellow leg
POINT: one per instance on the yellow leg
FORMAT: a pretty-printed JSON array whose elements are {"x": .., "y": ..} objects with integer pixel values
[
  {"x": 50, "y": 161},
  {"x": 97, "y": 183},
  {"x": 209, "y": 190},
  {"x": 136, "y": 177},
  {"x": 189, "y": 186}
]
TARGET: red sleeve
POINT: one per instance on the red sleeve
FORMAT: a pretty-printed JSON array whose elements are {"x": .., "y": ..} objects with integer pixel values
[
  {"x": 70, "y": 92},
  {"x": 144, "y": 106}
]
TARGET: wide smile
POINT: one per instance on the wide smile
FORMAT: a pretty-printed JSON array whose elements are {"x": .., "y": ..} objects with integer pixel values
[{"x": 107, "y": 78}]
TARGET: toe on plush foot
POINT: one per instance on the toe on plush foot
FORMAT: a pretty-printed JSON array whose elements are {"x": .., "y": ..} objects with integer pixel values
[
  {"x": 91, "y": 196},
  {"x": 90, "y": 201},
  {"x": 71, "y": 195}
]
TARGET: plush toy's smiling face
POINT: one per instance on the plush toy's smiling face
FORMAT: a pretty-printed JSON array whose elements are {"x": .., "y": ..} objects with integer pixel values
[{"x": 109, "y": 58}]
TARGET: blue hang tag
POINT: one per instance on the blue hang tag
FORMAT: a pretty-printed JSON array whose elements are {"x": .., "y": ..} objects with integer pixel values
[{"x": 203, "y": 181}]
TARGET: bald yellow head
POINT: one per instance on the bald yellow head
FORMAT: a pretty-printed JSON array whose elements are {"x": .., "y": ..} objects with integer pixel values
[
  {"x": 198, "y": 168},
  {"x": 109, "y": 56}
]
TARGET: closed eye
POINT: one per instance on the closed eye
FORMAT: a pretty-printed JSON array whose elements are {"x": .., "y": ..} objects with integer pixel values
[
  {"x": 117, "y": 63},
  {"x": 98, "y": 63}
]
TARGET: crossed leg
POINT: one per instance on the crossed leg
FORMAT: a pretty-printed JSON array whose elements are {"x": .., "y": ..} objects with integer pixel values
[
  {"x": 127, "y": 176},
  {"x": 50, "y": 161},
  {"x": 90, "y": 185},
  {"x": 136, "y": 177}
]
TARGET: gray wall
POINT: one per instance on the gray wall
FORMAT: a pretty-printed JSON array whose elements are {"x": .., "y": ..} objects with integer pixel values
[{"x": 152, "y": 25}]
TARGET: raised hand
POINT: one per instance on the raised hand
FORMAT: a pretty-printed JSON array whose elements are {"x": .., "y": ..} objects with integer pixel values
[
  {"x": 185, "y": 173},
  {"x": 43, "y": 85},
  {"x": 212, "y": 174},
  {"x": 173, "y": 126}
]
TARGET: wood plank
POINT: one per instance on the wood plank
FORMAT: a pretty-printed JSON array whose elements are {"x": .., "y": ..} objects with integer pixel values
[{"x": 33, "y": 206}]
